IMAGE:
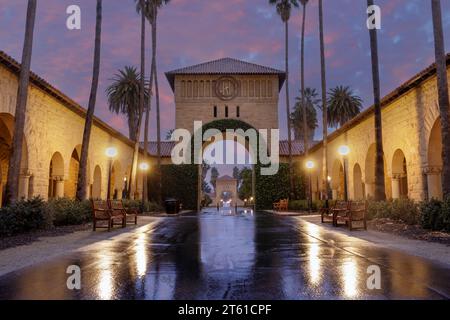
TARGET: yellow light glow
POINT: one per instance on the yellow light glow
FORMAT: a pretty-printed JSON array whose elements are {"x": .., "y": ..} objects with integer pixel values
[
  {"x": 344, "y": 150},
  {"x": 144, "y": 166},
  {"x": 310, "y": 164},
  {"x": 350, "y": 278},
  {"x": 111, "y": 152},
  {"x": 329, "y": 178},
  {"x": 141, "y": 254}
]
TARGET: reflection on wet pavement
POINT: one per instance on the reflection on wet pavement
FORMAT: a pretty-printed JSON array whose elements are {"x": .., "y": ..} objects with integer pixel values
[{"x": 216, "y": 255}]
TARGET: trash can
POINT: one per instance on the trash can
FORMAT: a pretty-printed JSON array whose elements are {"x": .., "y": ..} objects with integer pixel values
[{"x": 172, "y": 206}]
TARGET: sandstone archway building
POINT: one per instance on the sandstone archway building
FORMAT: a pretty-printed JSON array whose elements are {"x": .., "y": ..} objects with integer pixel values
[{"x": 248, "y": 92}]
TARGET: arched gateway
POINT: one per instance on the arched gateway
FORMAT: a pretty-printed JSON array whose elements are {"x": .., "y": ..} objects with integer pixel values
[{"x": 225, "y": 93}]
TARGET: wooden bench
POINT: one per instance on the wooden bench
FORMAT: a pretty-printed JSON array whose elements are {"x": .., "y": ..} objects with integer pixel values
[
  {"x": 339, "y": 209},
  {"x": 356, "y": 213},
  {"x": 282, "y": 205},
  {"x": 119, "y": 209},
  {"x": 101, "y": 212}
]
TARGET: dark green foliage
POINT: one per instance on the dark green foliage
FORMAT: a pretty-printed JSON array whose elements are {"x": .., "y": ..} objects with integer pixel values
[
  {"x": 432, "y": 217},
  {"x": 446, "y": 214},
  {"x": 179, "y": 182},
  {"x": 66, "y": 212},
  {"x": 143, "y": 207},
  {"x": 24, "y": 216},
  {"x": 401, "y": 210},
  {"x": 270, "y": 189}
]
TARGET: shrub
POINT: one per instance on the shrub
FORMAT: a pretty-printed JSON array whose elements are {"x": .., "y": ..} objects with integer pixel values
[
  {"x": 23, "y": 216},
  {"x": 431, "y": 215},
  {"x": 401, "y": 210},
  {"x": 147, "y": 206},
  {"x": 69, "y": 212},
  {"x": 446, "y": 214}
]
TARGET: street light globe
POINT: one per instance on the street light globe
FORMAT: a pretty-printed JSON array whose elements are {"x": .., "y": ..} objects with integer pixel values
[
  {"x": 329, "y": 178},
  {"x": 310, "y": 164},
  {"x": 344, "y": 150},
  {"x": 144, "y": 166},
  {"x": 111, "y": 152}
]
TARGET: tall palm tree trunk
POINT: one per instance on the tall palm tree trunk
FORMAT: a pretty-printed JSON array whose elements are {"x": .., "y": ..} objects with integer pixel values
[
  {"x": 324, "y": 106},
  {"x": 134, "y": 165},
  {"x": 441, "y": 67},
  {"x": 158, "y": 120},
  {"x": 12, "y": 187},
  {"x": 82, "y": 173},
  {"x": 142, "y": 98},
  {"x": 302, "y": 76},
  {"x": 288, "y": 110},
  {"x": 380, "y": 193},
  {"x": 147, "y": 125}
]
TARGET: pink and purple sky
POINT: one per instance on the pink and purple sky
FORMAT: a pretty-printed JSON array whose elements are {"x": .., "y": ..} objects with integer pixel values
[{"x": 195, "y": 31}]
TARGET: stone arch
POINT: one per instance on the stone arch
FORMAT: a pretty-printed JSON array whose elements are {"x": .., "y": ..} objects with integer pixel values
[
  {"x": 358, "y": 185},
  {"x": 6, "y": 133},
  {"x": 369, "y": 174},
  {"x": 70, "y": 184},
  {"x": 399, "y": 175},
  {"x": 56, "y": 176},
  {"x": 97, "y": 183},
  {"x": 337, "y": 180},
  {"x": 434, "y": 169}
]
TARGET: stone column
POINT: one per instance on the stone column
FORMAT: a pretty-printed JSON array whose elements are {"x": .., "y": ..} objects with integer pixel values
[
  {"x": 59, "y": 187},
  {"x": 395, "y": 186},
  {"x": 24, "y": 183},
  {"x": 335, "y": 194},
  {"x": 434, "y": 182}
]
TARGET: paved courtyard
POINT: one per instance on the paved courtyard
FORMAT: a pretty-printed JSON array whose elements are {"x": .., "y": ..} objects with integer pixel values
[{"x": 215, "y": 256}]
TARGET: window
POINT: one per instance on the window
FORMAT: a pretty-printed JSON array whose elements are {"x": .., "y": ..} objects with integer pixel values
[
  {"x": 226, "y": 111},
  {"x": 215, "y": 111},
  {"x": 238, "y": 112}
]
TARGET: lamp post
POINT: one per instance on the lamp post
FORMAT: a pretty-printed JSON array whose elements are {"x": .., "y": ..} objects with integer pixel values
[
  {"x": 111, "y": 153},
  {"x": 144, "y": 167},
  {"x": 344, "y": 151},
  {"x": 125, "y": 188},
  {"x": 310, "y": 167}
]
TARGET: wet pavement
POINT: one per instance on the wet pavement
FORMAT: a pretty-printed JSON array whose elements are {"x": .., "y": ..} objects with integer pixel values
[{"x": 221, "y": 256}]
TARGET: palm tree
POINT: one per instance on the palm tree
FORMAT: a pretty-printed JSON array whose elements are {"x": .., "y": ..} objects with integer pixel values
[
  {"x": 441, "y": 68},
  {"x": 124, "y": 96},
  {"x": 311, "y": 103},
  {"x": 343, "y": 106},
  {"x": 302, "y": 76},
  {"x": 284, "y": 8},
  {"x": 82, "y": 172},
  {"x": 155, "y": 6},
  {"x": 380, "y": 193},
  {"x": 142, "y": 8},
  {"x": 12, "y": 188},
  {"x": 324, "y": 106}
]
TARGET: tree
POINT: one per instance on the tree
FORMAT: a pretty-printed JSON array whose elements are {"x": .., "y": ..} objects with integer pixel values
[
  {"x": 155, "y": 6},
  {"x": 12, "y": 187},
  {"x": 380, "y": 193},
  {"x": 284, "y": 8},
  {"x": 142, "y": 8},
  {"x": 245, "y": 189},
  {"x": 123, "y": 97},
  {"x": 236, "y": 173},
  {"x": 82, "y": 172},
  {"x": 302, "y": 80},
  {"x": 214, "y": 176},
  {"x": 311, "y": 102},
  {"x": 343, "y": 106},
  {"x": 169, "y": 134},
  {"x": 324, "y": 184},
  {"x": 441, "y": 69}
]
